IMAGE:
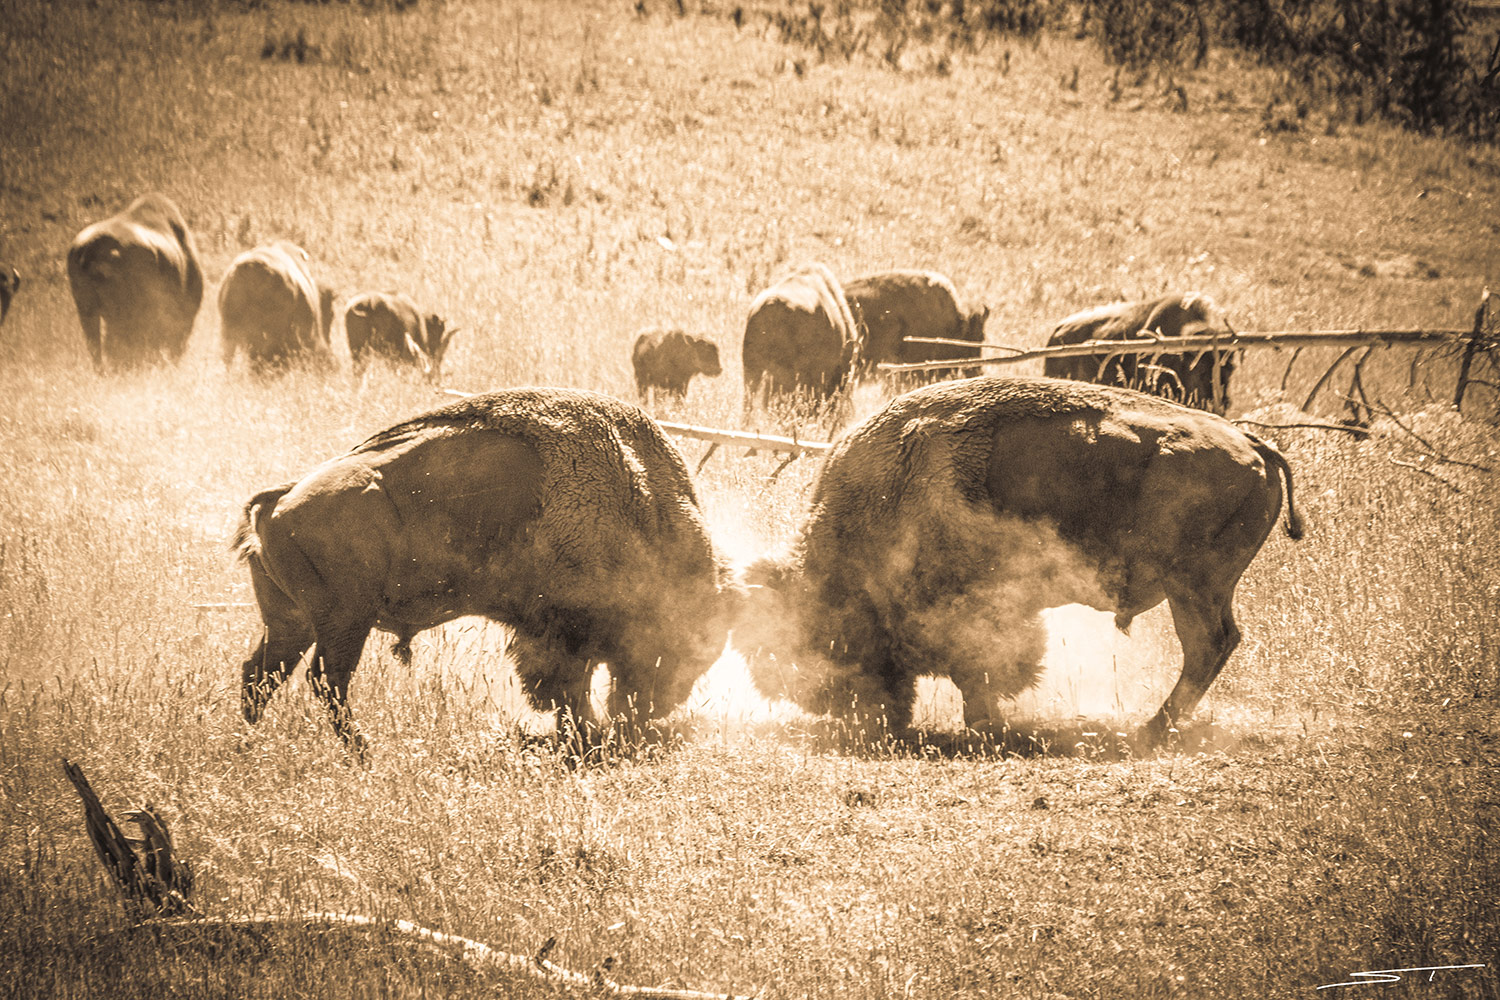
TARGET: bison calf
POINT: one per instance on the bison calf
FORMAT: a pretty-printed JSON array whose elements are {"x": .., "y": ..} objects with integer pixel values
[
  {"x": 564, "y": 514},
  {"x": 668, "y": 359},
  {"x": 941, "y": 526},
  {"x": 136, "y": 283},
  {"x": 389, "y": 325}
]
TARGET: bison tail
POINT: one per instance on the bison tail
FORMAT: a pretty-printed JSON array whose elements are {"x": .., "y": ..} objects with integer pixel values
[
  {"x": 246, "y": 541},
  {"x": 1267, "y": 451}
]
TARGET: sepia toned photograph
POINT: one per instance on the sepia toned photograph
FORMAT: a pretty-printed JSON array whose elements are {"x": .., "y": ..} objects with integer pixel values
[{"x": 768, "y": 499}]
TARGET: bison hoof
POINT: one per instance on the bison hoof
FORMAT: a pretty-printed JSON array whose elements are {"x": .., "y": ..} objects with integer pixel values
[
  {"x": 359, "y": 747},
  {"x": 1153, "y": 735}
]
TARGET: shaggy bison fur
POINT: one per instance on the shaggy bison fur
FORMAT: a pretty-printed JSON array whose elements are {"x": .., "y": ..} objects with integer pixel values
[
  {"x": 389, "y": 325},
  {"x": 940, "y": 526},
  {"x": 10, "y": 284},
  {"x": 800, "y": 337},
  {"x": 564, "y": 514}
]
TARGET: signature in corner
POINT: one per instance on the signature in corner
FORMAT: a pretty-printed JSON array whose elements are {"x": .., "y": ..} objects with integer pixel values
[{"x": 1374, "y": 976}]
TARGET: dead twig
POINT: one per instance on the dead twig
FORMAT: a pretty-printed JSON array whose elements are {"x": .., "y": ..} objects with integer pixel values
[
  {"x": 1426, "y": 472},
  {"x": 1357, "y": 385},
  {"x": 1481, "y": 316},
  {"x": 1318, "y": 387},
  {"x": 1296, "y": 353},
  {"x": 1436, "y": 454}
]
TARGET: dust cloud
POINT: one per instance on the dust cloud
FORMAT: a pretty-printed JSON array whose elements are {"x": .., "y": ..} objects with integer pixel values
[{"x": 1089, "y": 670}]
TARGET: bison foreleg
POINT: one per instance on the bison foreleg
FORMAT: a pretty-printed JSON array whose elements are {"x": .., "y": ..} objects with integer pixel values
[
  {"x": 996, "y": 660},
  {"x": 553, "y": 678},
  {"x": 1208, "y": 633},
  {"x": 92, "y": 334}
]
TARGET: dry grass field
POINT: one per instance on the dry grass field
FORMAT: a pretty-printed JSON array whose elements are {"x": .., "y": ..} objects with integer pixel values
[{"x": 552, "y": 177}]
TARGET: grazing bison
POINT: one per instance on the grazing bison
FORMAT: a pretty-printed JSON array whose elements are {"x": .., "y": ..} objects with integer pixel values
[
  {"x": 272, "y": 309},
  {"x": 564, "y": 514},
  {"x": 10, "y": 284},
  {"x": 940, "y": 527},
  {"x": 894, "y": 305},
  {"x": 1188, "y": 378},
  {"x": 389, "y": 325},
  {"x": 668, "y": 359},
  {"x": 800, "y": 337},
  {"x": 136, "y": 283}
]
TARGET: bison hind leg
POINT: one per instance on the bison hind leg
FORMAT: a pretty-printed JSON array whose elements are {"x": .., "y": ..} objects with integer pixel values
[
  {"x": 1209, "y": 635},
  {"x": 339, "y": 647}
]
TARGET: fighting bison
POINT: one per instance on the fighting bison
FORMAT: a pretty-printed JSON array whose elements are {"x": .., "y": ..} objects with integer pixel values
[
  {"x": 564, "y": 514},
  {"x": 668, "y": 359},
  {"x": 894, "y": 305},
  {"x": 1188, "y": 378},
  {"x": 136, "y": 283},
  {"x": 10, "y": 284},
  {"x": 940, "y": 527},
  {"x": 272, "y": 309},
  {"x": 389, "y": 325},
  {"x": 800, "y": 337}
]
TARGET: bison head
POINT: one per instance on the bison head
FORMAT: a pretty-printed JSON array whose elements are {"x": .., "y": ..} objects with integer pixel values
[
  {"x": 434, "y": 341},
  {"x": 708, "y": 357},
  {"x": 974, "y": 324}
]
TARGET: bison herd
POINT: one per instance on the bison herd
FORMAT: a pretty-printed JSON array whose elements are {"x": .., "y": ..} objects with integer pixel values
[{"x": 938, "y": 528}]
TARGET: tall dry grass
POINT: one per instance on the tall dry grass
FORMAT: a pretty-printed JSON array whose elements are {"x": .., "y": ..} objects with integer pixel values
[{"x": 553, "y": 177}]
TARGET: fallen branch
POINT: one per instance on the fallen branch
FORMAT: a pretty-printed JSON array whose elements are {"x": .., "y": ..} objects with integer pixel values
[
  {"x": 163, "y": 882},
  {"x": 1437, "y": 454},
  {"x": 1182, "y": 345},
  {"x": 475, "y": 954},
  {"x": 1358, "y": 432},
  {"x": 950, "y": 342},
  {"x": 768, "y": 442},
  {"x": 155, "y": 883}
]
